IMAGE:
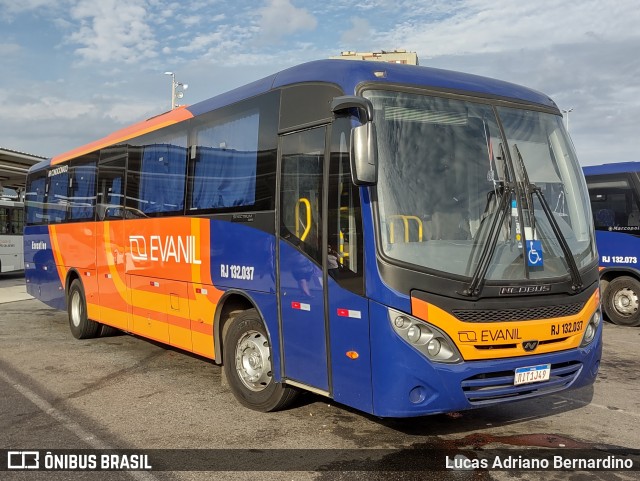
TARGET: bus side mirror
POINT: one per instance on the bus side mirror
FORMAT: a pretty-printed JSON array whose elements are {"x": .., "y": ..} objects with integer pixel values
[
  {"x": 364, "y": 155},
  {"x": 364, "y": 150}
]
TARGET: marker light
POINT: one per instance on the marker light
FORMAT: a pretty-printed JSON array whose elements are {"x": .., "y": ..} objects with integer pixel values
[
  {"x": 592, "y": 328},
  {"x": 401, "y": 322},
  {"x": 429, "y": 340}
]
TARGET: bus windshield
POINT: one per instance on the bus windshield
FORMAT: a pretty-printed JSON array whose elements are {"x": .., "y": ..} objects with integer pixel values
[{"x": 444, "y": 169}]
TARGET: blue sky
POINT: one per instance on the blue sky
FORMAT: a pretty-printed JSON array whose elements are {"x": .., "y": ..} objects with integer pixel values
[{"x": 76, "y": 70}]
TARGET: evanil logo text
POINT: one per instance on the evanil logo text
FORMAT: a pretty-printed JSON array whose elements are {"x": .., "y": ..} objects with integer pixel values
[{"x": 164, "y": 248}]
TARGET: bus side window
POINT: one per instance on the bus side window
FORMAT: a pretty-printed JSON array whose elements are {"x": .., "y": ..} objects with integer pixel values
[
  {"x": 111, "y": 183},
  {"x": 162, "y": 177},
  {"x": 58, "y": 196},
  {"x": 345, "y": 241},
  {"x": 35, "y": 197},
  {"x": 301, "y": 198},
  {"x": 4, "y": 220},
  {"x": 614, "y": 202},
  {"x": 17, "y": 221},
  {"x": 224, "y": 163},
  {"x": 82, "y": 191}
]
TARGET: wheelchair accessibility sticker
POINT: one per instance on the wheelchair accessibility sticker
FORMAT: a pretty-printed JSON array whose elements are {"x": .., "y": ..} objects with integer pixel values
[{"x": 534, "y": 253}]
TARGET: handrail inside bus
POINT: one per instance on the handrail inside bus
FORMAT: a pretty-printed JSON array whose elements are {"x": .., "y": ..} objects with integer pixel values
[
  {"x": 405, "y": 221},
  {"x": 307, "y": 226},
  {"x": 343, "y": 254}
]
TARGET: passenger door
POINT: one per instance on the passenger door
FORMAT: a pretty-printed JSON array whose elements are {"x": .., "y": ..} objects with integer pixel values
[{"x": 302, "y": 241}]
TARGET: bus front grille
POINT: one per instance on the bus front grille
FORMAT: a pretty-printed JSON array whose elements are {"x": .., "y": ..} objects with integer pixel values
[
  {"x": 494, "y": 387},
  {"x": 523, "y": 314}
]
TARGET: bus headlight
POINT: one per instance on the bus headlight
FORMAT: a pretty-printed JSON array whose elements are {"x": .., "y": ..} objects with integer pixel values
[
  {"x": 592, "y": 328},
  {"x": 434, "y": 343}
]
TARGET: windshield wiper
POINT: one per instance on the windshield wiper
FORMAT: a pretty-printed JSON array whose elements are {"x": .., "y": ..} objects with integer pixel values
[
  {"x": 566, "y": 250},
  {"x": 484, "y": 260},
  {"x": 527, "y": 193},
  {"x": 530, "y": 189},
  {"x": 492, "y": 240}
]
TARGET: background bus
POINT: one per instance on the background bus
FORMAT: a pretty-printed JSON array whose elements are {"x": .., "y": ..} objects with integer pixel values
[
  {"x": 11, "y": 231},
  {"x": 466, "y": 270},
  {"x": 615, "y": 203}
]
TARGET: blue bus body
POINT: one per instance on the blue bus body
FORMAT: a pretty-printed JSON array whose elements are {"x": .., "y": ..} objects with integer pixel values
[
  {"x": 615, "y": 201},
  {"x": 344, "y": 335}
]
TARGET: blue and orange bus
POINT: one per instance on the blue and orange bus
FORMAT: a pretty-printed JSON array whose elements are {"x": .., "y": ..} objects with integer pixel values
[
  {"x": 401, "y": 239},
  {"x": 614, "y": 190}
]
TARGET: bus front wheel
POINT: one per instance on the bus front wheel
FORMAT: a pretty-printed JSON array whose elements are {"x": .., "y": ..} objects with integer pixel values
[
  {"x": 622, "y": 301},
  {"x": 248, "y": 368},
  {"x": 81, "y": 326}
]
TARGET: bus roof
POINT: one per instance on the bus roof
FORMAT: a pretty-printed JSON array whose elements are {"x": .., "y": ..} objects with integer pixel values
[
  {"x": 348, "y": 75},
  {"x": 613, "y": 168}
]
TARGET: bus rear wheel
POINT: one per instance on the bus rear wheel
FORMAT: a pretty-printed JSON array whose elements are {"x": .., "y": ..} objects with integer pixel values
[
  {"x": 622, "y": 301},
  {"x": 81, "y": 326},
  {"x": 248, "y": 368}
]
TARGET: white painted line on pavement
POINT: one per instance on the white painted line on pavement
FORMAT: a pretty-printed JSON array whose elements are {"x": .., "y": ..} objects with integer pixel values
[{"x": 69, "y": 424}]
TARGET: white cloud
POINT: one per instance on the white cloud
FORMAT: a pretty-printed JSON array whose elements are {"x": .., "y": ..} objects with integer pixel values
[
  {"x": 51, "y": 109},
  {"x": 130, "y": 112},
  {"x": 280, "y": 18},
  {"x": 190, "y": 20},
  {"x": 358, "y": 34},
  {"x": 113, "y": 31},
  {"x": 201, "y": 42},
  {"x": 7, "y": 49},
  {"x": 482, "y": 26},
  {"x": 9, "y": 8}
]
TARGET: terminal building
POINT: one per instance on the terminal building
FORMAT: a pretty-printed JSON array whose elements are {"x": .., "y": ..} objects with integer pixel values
[
  {"x": 13, "y": 169},
  {"x": 392, "y": 56}
]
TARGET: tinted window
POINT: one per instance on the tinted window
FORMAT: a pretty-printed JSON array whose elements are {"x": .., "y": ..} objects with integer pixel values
[
  {"x": 345, "y": 242},
  {"x": 614, "y": 203},
  {"x": 225, "y": 164},
  {"x": 301, "y": 196},
  {"x": 16, "y": 221},
  {"x": 5, "y": 220},
  {"x": 58, "y": 194},
  {"x": 82, "y": 190},
  {"x": 111, "y": 177},
  {"x": 307, "y": 104},
  {"x": 156, "y": 174},
  {"x": 34, "y": 198},
  {"x": 232, "y": 160}
]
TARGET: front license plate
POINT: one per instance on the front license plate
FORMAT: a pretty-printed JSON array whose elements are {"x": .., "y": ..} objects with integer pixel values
[{"x": 527, "y": 375}]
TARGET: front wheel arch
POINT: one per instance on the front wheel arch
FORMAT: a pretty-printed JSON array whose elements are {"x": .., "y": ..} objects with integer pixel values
[
  {"x": 230, "y": 305},
  {"x": 248, "y": 365}
]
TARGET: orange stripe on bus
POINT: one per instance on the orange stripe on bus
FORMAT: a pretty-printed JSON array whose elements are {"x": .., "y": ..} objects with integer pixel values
[
  {"x": 504, "y": 339},
  {"x": 62, "y": 274},
  {"x": 173, "y": 117}
]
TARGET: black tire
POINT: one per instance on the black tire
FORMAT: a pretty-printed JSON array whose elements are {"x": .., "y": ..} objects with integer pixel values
[
  {"x": 81, "y": 326},
  {"x": 622, "y": 301},
  {"x": 108, "y": 331},
  {"x": 247, "y": 365}
]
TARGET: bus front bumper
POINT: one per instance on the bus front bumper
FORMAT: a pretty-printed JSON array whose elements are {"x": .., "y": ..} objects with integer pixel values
[{"x": 406, "y": 383}]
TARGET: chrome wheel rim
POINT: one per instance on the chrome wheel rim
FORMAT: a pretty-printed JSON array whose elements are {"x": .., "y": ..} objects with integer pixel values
[
  {"x": 76, "y": 308},
  {"x": 253, "y": 361},
  {"x": 625, "y": 301}
]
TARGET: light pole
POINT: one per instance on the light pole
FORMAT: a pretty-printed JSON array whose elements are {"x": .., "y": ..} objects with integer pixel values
[
  {"x": 177, "y": 89},
  {"x": 566, "y": 118}
]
